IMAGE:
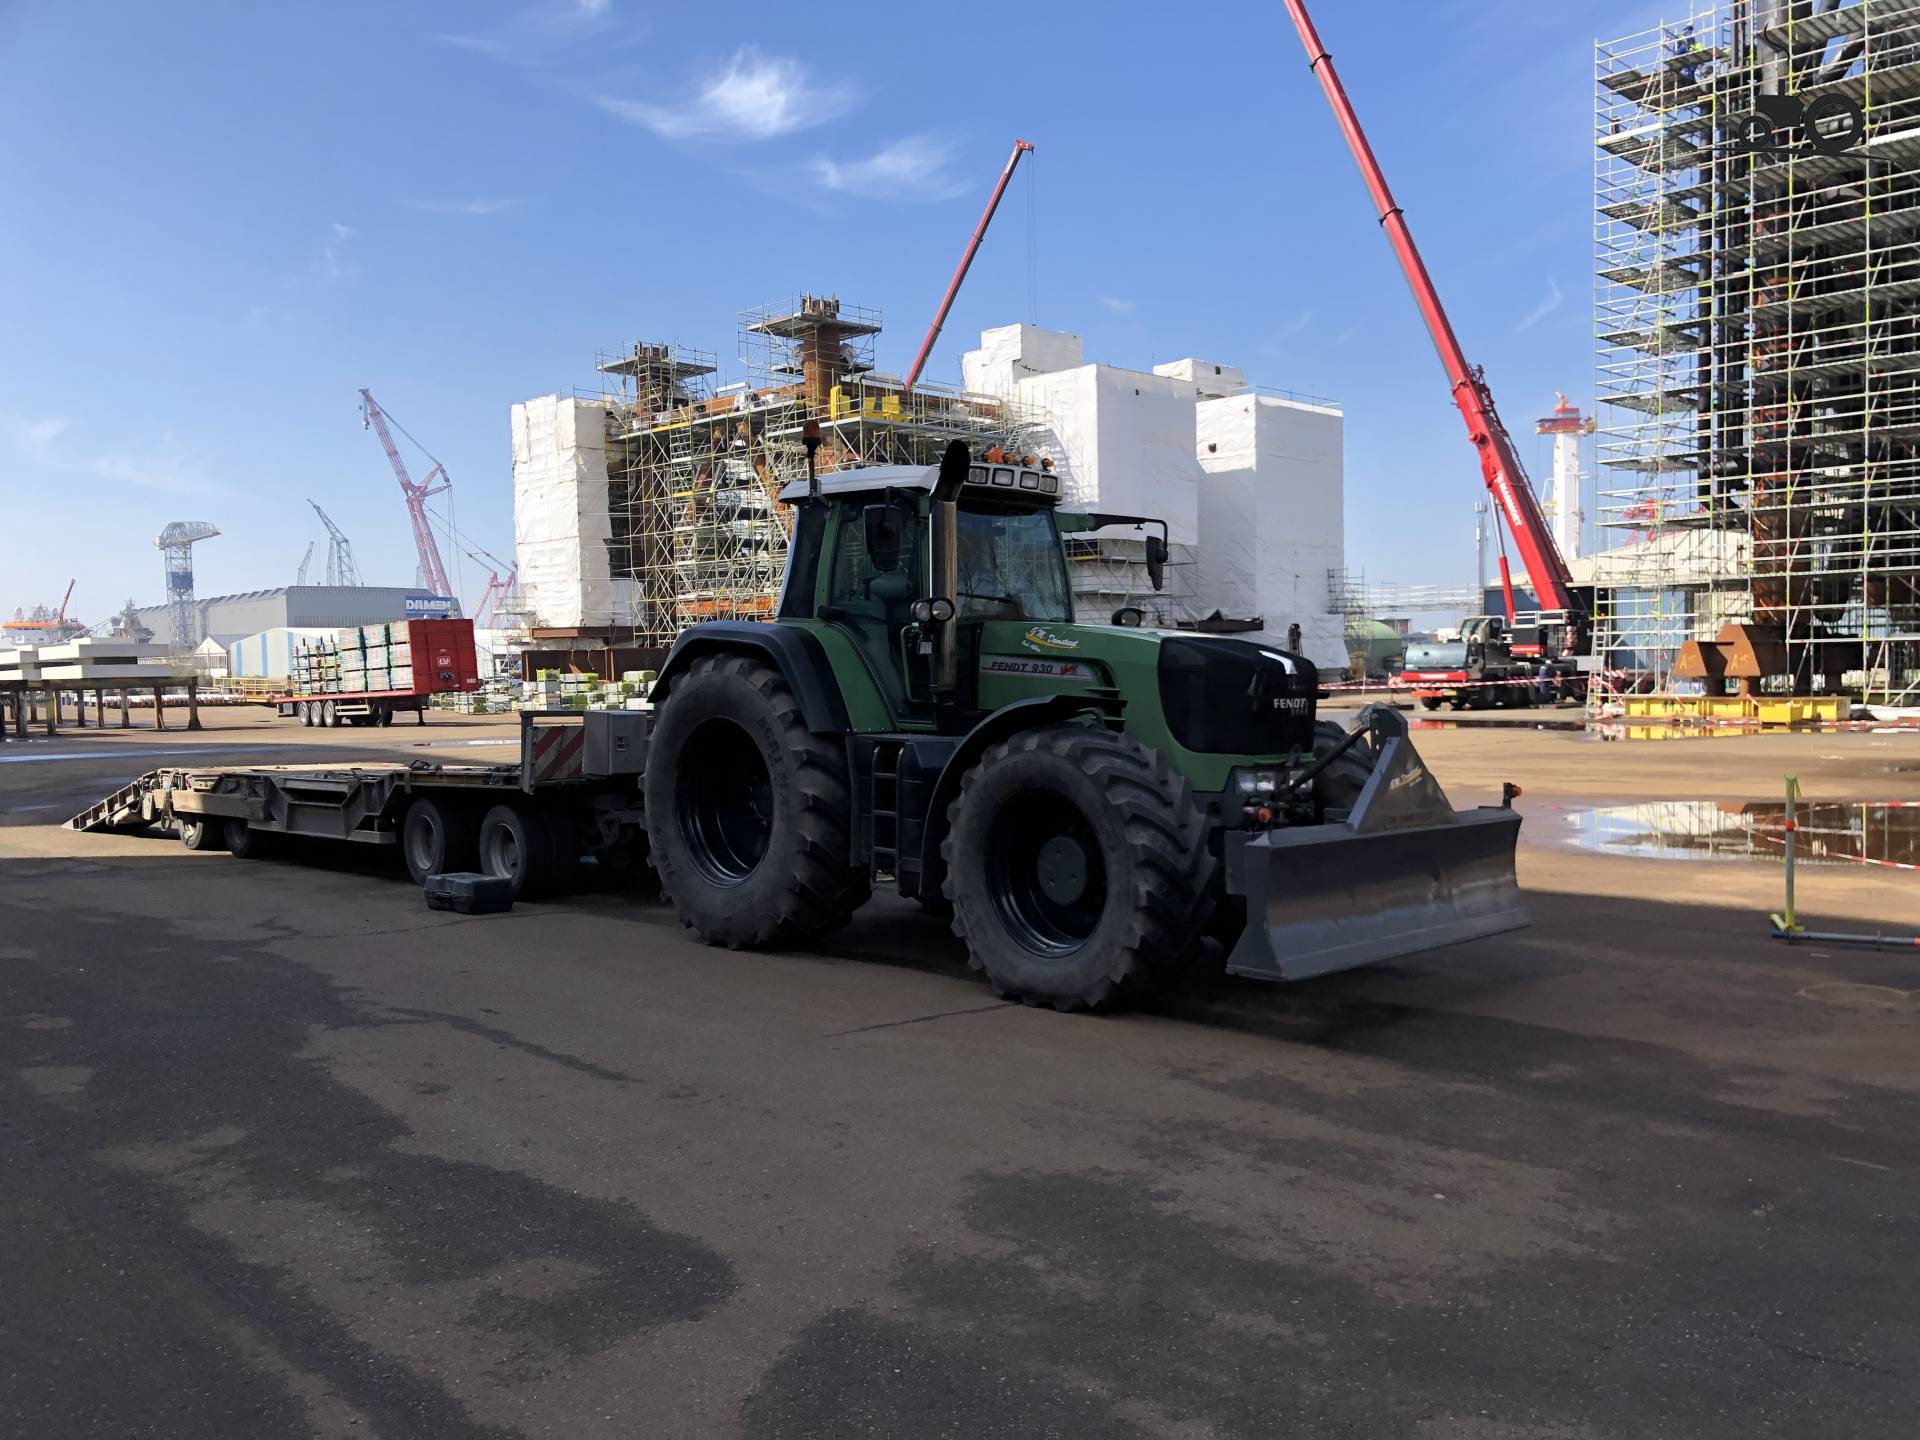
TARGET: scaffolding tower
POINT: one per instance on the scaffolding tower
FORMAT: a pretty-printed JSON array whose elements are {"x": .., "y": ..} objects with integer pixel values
[
  {"x": 695, "y": 468},
  {"x": 1757, "y": 318}
]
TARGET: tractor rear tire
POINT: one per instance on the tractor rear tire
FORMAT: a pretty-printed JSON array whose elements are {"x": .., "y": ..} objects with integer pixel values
[
  {"x": 750, "y": 814},
  {"x": 1077, "y": 867},
  {"x": 438, "y": 837}
]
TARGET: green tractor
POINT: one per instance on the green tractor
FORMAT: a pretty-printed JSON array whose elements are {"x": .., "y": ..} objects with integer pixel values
[{"x": 1087, "y": 801}]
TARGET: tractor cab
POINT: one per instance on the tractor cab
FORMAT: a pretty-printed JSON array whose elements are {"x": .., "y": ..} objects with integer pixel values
[{"x": 910, "y": 566}]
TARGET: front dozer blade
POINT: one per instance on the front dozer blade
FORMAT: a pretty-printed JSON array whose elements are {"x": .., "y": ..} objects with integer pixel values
[{"x": 1405, "y": 872}]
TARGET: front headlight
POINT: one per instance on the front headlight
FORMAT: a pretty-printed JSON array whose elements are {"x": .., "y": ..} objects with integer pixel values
[{"x": 1256, "y": 782}]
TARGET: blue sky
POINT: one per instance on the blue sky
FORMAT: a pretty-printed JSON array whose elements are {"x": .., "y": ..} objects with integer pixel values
[{"x": 220, "y": 221}]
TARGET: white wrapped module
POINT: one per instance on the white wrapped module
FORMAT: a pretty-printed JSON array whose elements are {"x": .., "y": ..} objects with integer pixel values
[
  {"x": 1272, "y": 517},
  {"x": 1209, "y": 380},
  {"x": 1011, "y": 353},
  {"x": 561, "y": 524},
  {"x": 1123, "y": 440}
]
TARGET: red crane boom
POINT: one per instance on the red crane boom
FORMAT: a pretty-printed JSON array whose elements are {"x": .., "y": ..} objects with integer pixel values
[
  {"x": 431, "y": 569},
  {"x": 1499, "y": 464},
  {"x": 1020, "y": 147}
]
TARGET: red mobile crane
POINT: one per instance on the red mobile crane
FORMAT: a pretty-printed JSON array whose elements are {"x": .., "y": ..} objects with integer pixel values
[
  {"x": 1500, "y": 466},
  {"x": 1020, "y": 147},
  {"x": 417, "y": 493}
]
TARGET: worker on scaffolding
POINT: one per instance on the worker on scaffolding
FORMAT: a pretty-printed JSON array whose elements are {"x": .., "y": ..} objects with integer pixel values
[{"x": 1688, "y": 54}]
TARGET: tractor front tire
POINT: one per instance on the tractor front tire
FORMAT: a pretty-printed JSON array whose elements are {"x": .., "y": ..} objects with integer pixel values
[
  {"x": 1338, "y": 786},
  {"x": 1077, "y": 868},
  {"x": 750, "y": 814}
]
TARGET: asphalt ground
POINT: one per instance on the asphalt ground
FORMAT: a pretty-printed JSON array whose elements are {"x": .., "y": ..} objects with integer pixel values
[{"x": 285, "y": 1153}]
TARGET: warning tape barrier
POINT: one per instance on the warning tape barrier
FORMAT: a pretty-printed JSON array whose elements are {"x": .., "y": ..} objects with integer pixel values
[{"x": 1781, "y": 840}]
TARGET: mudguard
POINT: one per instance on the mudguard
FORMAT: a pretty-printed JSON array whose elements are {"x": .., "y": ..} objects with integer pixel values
[{"x": 1403, "y": 873}]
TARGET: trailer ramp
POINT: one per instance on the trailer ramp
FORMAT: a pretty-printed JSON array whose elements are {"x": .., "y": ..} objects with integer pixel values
[{"x": 128, "y": 808}]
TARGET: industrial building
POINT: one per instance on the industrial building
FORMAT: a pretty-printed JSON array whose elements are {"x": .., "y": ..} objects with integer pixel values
[
  {"x": 229, "y": 618},
  {"x": 650, "y": 507},
  {"x": 1758, "y": 321}
]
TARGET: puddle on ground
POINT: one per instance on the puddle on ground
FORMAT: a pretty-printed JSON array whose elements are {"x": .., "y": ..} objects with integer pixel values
[
  {"x": 1829, "y": 832},
  {"x": 1424, "y": 724}
]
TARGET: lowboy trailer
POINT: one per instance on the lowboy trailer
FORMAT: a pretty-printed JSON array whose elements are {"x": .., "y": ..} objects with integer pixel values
[{"x": 574, "y": 791}]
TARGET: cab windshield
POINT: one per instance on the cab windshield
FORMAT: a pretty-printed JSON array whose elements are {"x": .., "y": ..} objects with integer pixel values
[{"x": 1010, "y": 567}]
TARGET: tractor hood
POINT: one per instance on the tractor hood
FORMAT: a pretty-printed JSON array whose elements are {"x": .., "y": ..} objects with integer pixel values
[
  {"x": 1218, "y": 695},
  {"x": 1236, "y": 697}
]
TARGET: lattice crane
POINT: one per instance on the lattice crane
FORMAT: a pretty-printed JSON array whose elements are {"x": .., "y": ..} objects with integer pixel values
[
  {"x": 340, "y": 566},
  {"x": 436, "y": 482}
]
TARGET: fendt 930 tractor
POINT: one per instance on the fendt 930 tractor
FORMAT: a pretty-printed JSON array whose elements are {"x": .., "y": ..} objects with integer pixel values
[{"x": 1086, "y": 800}]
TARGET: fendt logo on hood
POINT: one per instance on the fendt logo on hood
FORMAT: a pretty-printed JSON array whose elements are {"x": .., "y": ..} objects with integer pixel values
[{"x": 1041, "y": 638}]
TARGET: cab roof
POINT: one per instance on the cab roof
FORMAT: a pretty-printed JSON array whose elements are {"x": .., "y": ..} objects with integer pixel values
[{"x": 1012, "y": 481}]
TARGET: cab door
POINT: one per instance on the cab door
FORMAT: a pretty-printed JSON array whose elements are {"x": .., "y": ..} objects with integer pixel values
[{"x": 872, "y": 605}]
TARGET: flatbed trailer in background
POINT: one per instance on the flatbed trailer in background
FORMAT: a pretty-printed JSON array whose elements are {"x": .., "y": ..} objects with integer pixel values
[
  {"x": 574, "y": 792},
  {"x": 440, "y": 659}
]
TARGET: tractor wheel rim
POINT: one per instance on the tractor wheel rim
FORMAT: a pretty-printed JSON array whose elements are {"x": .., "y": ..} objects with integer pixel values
[
  {"x": 725, "y": 803},
  {"x": 1046, "y": 874}
]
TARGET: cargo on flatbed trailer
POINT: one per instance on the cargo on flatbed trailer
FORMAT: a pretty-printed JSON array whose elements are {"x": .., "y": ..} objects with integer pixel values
[
  {"x": 574, "y": 792},
  {"x": 367, "y": 674}
]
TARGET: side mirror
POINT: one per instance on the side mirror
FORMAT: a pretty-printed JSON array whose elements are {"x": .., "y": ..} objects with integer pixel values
[
  {"x": 1131, "y": 616},
  {"x": 1157, "y": 562},
  {"x": 886, "y": 528}
]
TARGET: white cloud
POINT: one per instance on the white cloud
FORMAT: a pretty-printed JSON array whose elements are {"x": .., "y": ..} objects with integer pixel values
[
  {"x": 1545, "y": 308},
  {"x": 167, "y": 473},
  {"x": 911, "y": 168},
  {"x": 754, "y": 98},
  {"x": 478, "y": 43},
  {"x": 463, "y": 207},
  {"x": 332, "y": 264},
  {"x": 165, "y": 469},
  {"x": 33, "y": 435},
  {"x": 1117, "y": 305}
]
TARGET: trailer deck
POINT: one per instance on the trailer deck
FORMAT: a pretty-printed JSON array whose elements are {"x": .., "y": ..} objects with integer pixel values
[{"x": 574, "y": 791}]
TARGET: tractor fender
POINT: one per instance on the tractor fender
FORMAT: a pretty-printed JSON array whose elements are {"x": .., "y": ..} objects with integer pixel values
[
  {"x": 1006, "y": 721},
  {"x": 796, "y": 653}
]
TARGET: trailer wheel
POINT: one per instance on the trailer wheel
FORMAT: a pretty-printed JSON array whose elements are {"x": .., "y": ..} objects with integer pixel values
[
  {"x": 437, "y": 837},
  {"x": 383, "y": 715},
  {"x": 246, "y": 842},
  {"x": 1429, "y": 702},
  {"x": 303, "y": 711},
  {"x": 521, "y": 845},
  {"x": 1077, "y": 867},
  {"x": 750, "y": 813},
  {"x": 197, "y": 832}
]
